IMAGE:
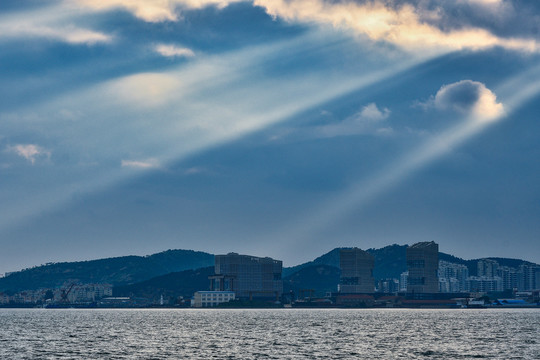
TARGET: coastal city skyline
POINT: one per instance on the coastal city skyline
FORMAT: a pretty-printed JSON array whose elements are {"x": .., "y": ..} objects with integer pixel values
[
  {"x": 416, "y": 276},
  {"x": 273, "y": 128},
  {"x": 292, "y": 179}
]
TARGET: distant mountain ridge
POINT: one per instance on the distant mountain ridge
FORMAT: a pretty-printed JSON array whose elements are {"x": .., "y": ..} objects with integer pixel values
[
  {"x": 320, "y": 274},
  {"x": 175, "y": 284},
  {"x": 116, "y": 271},
  {"x": 391, "y": 261},
  {"x": 319, "y": 278}
]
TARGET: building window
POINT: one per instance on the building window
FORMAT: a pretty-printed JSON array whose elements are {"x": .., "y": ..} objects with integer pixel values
[
  {"x": 417, "y": 281},
  {"x": 416, "y": 263},
  {"x": 349, "y": 280}
]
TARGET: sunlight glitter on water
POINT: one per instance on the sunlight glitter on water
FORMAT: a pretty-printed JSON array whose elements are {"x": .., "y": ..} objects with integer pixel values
[{"x": 271, "y": 334}]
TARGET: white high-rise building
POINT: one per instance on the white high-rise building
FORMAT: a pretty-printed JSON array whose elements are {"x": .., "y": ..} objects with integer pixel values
[
  {"x": 487, "y": 268},
  {"x": 452, "y": 277},
  {"x": 403, "y": 278}
]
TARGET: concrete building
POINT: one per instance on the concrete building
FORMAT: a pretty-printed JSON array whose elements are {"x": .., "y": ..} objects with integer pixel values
[
  {"x": 509, "y": 276},
  {"x": 423, "y": 265},
  {"x": 4, "y": 298},
  {"x": 528, "y": 277},
  {"x": 356, "y": 271},
  {"x": 452, "y": 277},
  {"x": 247, "y": 276},
  {"x": 388, "y": 286},
  {"x": 487, "y": 267},
  {"x": 484, "y": 284},
  {"x": 211, "y": 298},
  {"x": 403, "y": 278},
  {"x": 84, "y": 293}
]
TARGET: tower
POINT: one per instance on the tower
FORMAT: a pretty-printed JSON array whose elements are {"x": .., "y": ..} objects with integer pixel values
[
  {"x": 423, "y": 264},
  {"x": 356, "y": 271}
]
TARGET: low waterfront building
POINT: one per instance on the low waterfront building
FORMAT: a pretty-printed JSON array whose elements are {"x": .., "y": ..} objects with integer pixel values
[
  {"x": 355, "y": 300},
  {"x": 388, "y": 286},
  {"x": 4, "y": 298},
  {"x": 120, "y": 302},
  {"x": 211, "y": 298},
  {"x": 84, "y": 293}
]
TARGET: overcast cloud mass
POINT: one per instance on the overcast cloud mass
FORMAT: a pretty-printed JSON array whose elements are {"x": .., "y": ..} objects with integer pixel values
[{"x": 279, "y": 128}]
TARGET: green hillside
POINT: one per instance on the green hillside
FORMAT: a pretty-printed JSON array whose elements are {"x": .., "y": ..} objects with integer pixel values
[
  {"x": 322, "y": 273},
  {"x": 320, "y": 278},
  {"x": 173, "y": 285},
  {"x": 391, "y": 261},
  {"x": 116, "y": 271}
]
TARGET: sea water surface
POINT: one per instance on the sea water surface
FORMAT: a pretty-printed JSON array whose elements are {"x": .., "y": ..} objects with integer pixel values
[{"x": 269, "y": 334}]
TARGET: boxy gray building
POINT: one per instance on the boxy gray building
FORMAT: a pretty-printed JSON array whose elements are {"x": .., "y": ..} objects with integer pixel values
[
  {"x": 248, "y": 276},
  {"x": 356, "y": 271},
  {"x": 423, "y": 265}
]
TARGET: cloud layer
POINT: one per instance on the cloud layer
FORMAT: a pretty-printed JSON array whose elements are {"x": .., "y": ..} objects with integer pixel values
[
  {"x": 55, "y": 23},
  {"x": 409, "y": 24},
  {"x": 130, "y": 140},
  {"x": 154, "y": 10},
  {"x": 412, "y": 25}
]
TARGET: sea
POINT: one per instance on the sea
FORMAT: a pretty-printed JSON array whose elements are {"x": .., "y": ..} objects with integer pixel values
[{"x": 269, "y": 334}]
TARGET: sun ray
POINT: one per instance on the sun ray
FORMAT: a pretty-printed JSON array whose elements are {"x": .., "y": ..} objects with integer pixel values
[
  {"x": 189, "y": 121},
  {"x": 363, "y": 193}
]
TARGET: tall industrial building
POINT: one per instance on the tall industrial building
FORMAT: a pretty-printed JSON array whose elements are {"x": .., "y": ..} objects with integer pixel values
[
  {"x": 248, "y": 276},
  {"x": 423, "y": 265},
  {"x": 356, "y": 271}
]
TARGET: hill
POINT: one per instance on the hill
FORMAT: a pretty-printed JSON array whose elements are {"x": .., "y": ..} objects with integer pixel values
[
  {"x": 116, "y": 271},
  {"x": 391, "y": 261},
  {"x": 173, "y": 285},
  {"x": 320, "y": 278},
  {"x": 320, "y": 274},
  {"x": 331, "y": 258}
]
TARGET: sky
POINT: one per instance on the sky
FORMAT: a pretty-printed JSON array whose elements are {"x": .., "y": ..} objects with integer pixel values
[{"x": 281, "y": 128}]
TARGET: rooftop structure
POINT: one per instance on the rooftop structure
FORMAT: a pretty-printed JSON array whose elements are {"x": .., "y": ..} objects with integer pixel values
[
  {"x": 356, "y": 271},
  {"x": 423, "y": 265}
]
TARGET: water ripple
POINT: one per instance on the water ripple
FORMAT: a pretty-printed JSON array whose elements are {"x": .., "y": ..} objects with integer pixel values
[{"x": 269, "y": 334}]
